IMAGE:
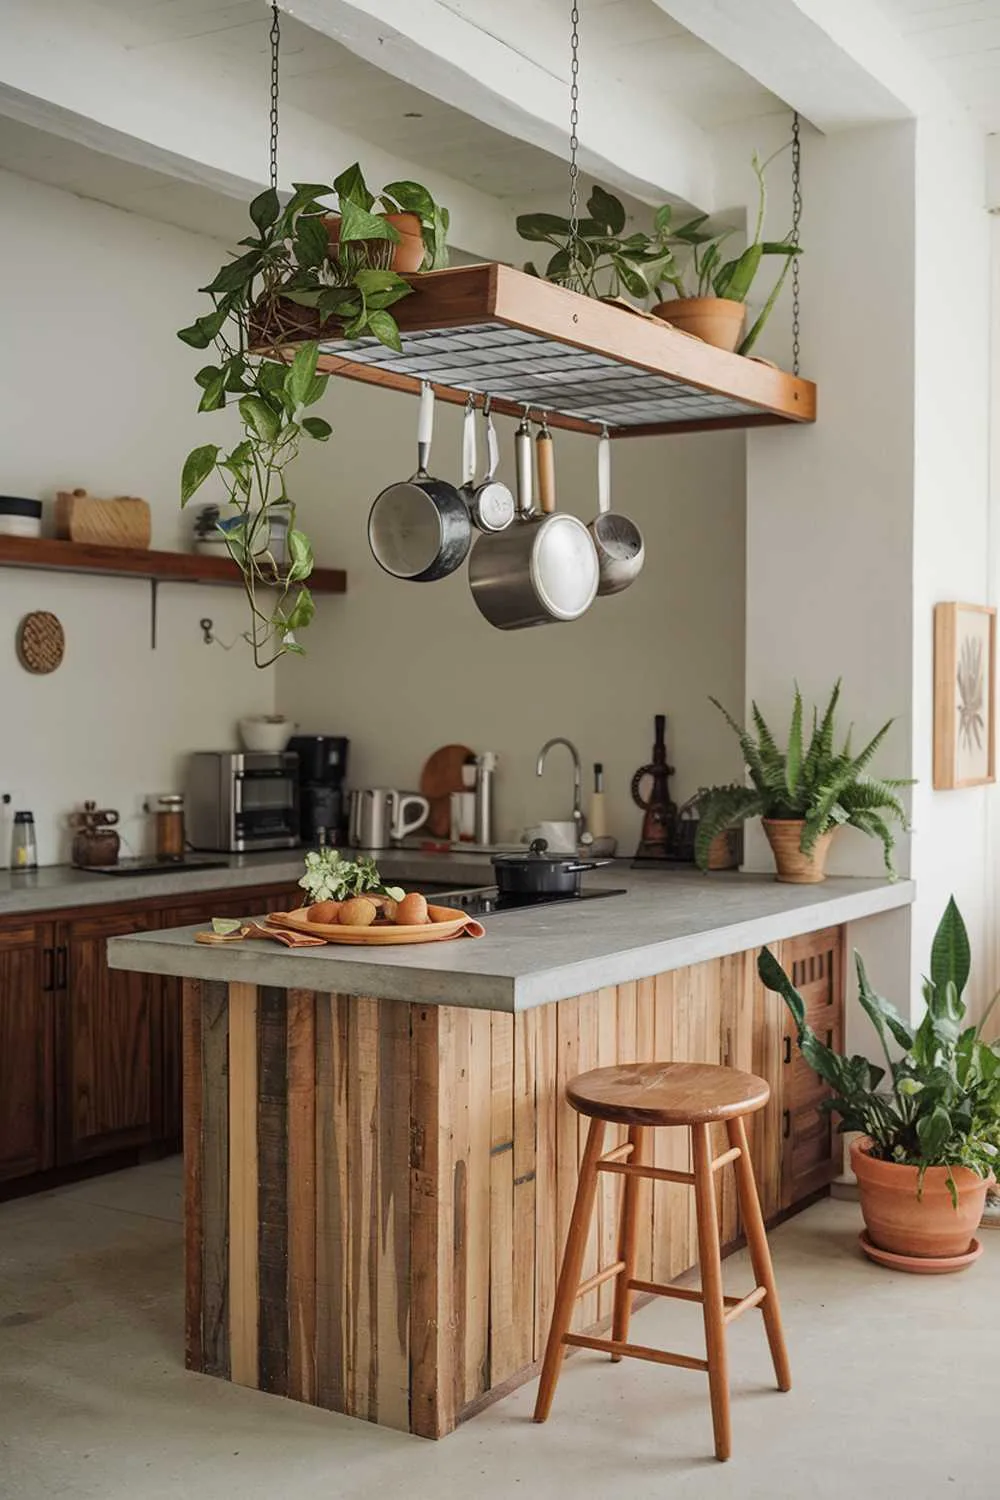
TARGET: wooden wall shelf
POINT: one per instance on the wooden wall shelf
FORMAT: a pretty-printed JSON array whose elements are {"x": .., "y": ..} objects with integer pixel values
[
  {"x": 496, "y": 331},
  {"x": 126, "y": 562}
]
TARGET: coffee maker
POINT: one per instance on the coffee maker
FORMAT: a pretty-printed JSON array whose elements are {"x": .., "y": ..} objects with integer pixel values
[{"x": 322, "y": 796}]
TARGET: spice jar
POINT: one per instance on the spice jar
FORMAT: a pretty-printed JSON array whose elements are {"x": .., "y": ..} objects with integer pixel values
[{"x": 170, "y": 827}]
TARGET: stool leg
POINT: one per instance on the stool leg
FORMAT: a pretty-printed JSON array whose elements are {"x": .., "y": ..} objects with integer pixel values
[
  {"x": 760, "y": 1254},
  {"x": 569, "y": 1276},
  {"x": 628, "y": 1237},
  {"x": 711, "y": 1285}
]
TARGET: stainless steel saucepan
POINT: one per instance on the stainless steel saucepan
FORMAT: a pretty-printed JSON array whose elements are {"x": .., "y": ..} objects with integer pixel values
[
  {"x": 420, "y": 529},
  {"x": 544, "y": 568},
  {"x": 620, "y": 548},
  {"x": 490, "y": 502}
]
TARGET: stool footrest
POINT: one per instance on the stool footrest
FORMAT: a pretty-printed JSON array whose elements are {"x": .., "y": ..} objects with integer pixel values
[
  {"x": 733, "y": 1154},
  {"x": 634, "y": 1351},
  {"x": 600, "y": 1278},
  {"x": 656, "y": 1174},
  {"x": 737, "y": 1307}
]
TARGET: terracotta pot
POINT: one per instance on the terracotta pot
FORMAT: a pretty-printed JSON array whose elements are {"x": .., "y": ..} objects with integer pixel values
[
  {"x": 919, "y": 1227},
  {"x": 795, "y": 868},
  {"x": 715, "y": 320},
  {"x": 407, "y": 256}
]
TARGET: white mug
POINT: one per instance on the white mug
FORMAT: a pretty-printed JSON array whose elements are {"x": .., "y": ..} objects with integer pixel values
[{"x": 399, "y": 827}]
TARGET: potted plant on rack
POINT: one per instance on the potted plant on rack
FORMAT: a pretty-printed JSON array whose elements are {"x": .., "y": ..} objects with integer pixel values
[
  {"x": 929, "y": 1142},
  {"x": 418, "y": 225},
  {"x": 803, "y": 794},
  {"x": 290, "y": 272},
  {"x": 601, "y": 260}
]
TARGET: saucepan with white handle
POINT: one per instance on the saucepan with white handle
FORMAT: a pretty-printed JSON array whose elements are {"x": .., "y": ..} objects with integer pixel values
[{"x": 621, "y": 551}]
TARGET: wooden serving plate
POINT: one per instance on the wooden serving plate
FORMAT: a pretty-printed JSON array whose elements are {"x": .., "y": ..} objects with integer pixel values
[{"x": 446, "y": 922}]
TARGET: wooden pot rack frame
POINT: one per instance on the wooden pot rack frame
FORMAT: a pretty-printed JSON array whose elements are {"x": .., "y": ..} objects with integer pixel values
[
  {"x": 56, "y": 556},
  {"x": 585, "y": 364}
]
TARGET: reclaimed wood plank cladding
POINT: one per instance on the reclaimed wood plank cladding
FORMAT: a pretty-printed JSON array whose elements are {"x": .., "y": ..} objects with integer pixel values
[
  {"x": 272, "y": 1190},
  {"x": 586, "y": 1307},
  {"x": 548, "y": 1247},
  {"x": 392, "y": 1240},
  {"x": 363, "y": 1195},
  {"x": 645, "y": 1051},
  {"x": 477, "y": 1207},
  {"x": 567, "y": 1135},
  {"x": 331, "y": 1202},
  {"x": 609, "y": 1184},
  {"x": 194, "y": 1196},
  {"x": 214, "y": 1090},
  {"x": 524, "y": 1206},
  {"x": 428, "y": 1413},
  {"x": 503, "y": 1352},
  {"x": 302, "y": 1193},
  {"x": 243, "y": 1249}
]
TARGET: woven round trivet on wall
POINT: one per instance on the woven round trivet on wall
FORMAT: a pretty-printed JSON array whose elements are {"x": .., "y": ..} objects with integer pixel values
[{"x": 41, "y": 642}]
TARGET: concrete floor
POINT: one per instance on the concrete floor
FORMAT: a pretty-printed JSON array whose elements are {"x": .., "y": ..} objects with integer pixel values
[{"x": 897, "y": 1388}]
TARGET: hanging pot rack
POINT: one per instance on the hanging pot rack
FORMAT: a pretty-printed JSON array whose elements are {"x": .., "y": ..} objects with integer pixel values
[{"x": 492, "y": 330}]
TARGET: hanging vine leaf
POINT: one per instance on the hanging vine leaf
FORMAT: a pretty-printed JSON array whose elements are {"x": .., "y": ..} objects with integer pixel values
[{"x": 197, "y": 466}]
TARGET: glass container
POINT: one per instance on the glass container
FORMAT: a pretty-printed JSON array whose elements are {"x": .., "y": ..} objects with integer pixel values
[
  {"x": 23, "y": 849},
  {"x": 170, "y": 827}
]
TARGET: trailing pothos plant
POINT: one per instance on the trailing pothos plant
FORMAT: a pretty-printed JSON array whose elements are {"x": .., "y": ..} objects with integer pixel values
[
  {"x": 819, "y": 784},
  {"x": 942, "y": 1108},
  {"x": 600, "y": 260},
  {"x": 290, "y": 274}
]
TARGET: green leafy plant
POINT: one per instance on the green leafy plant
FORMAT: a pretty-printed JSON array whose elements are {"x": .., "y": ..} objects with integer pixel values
[
  {"x": 331, "y": 877},
  {"x": 823, "y": 786},
  {"x": 397, "y": 198},
  {"x": 600, "y": 260},
  {"x": 290, "y": 274},
  {"x": 943, "y": 1106}
]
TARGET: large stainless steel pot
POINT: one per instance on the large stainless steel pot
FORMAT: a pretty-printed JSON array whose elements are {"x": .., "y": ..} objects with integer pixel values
[
  {"x": 420, "y": 530},
  {"x": 544, "y": 567},
  {"x": 538, "y": 873}
]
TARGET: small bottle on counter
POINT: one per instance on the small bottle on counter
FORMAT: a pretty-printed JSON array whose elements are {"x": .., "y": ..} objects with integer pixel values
[
  {"x": 23, "y": 849},
  {"x": 170, "y": 828},
  {"x": 597, "y": 821}
]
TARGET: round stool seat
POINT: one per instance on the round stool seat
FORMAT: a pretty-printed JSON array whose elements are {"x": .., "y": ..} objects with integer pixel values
[{"x": 669, "y": 1093}]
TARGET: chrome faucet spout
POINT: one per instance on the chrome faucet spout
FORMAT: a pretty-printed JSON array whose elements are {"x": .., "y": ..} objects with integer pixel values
[{"x": 559, "y": 739}]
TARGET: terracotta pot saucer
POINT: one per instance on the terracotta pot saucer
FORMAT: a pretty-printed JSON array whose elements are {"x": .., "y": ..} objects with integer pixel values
[{"x": 920, "y": 1265}]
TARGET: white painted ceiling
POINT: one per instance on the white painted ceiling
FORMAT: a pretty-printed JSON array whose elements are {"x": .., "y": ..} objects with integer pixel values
[{"x": 961, "y": 38}]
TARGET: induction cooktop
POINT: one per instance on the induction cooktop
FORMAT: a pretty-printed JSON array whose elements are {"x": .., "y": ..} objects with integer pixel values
[
  {"x": 486, "y": 901},
  {"x": 139, "y": 866}
]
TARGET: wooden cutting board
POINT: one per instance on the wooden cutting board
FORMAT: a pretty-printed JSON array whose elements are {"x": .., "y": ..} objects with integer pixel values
[{"x": 442, "y": 775}]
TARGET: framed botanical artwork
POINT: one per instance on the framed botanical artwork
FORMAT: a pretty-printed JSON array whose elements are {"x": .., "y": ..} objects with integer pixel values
[{"x": 964, "y": 695}]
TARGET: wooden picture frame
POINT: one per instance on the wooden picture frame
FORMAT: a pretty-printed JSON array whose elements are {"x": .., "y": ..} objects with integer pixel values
[{"x": 964, "y": 695}]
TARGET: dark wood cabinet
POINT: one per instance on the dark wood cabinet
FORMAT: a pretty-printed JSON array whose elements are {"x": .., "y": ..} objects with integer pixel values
[
  {"x": 812, "y": 1147},
  {"x": 106, "y": 1025},
  {"x": 27, "y": 975}
]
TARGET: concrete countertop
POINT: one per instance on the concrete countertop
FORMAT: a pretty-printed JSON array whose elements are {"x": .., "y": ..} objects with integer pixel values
[
  {"x": 60, "y": 887},
  {"x": 667, "y": 919}
]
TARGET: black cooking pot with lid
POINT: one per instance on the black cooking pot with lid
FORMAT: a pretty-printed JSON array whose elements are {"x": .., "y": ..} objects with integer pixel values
[{"x": 538, "y": 873}]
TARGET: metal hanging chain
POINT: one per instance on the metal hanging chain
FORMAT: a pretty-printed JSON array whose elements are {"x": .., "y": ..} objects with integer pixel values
[
  {"x": 574, "y": 121},
  {"x": 796, "y": 224},
  {"x": 275, "y": 45}
]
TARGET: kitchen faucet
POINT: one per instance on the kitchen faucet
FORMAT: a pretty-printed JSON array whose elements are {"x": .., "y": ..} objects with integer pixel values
[{"x": 577, "y": 784}]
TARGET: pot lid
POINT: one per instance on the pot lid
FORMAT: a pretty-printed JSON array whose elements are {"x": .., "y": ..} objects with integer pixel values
[{"x": 535, "y": 854}]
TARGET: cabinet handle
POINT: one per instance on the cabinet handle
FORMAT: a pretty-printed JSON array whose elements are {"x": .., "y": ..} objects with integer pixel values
[
  {"x": 48, "y": 970},
  {"x": 788, "y": 1049},
  {"x": 787, "y": 1117},
  {"x": 829, "y": 1038},
  {"x": 62, "y": 965}
]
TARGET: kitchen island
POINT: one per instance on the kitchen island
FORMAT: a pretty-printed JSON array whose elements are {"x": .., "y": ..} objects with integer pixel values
[{"x": 380, "y": 1163}]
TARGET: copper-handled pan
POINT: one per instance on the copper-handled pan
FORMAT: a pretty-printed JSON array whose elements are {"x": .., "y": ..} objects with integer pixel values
[
  {"x": 544, "y": 568},
  {"x": 420, "y": 529}
]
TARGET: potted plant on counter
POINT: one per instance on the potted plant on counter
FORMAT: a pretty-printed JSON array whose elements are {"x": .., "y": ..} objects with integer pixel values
[
  {"x": 292, "y": 270},
  {"x": 803, "y": 794},
  {"x": 602, "y": 261},
  {"x": 929, "y": 1142}
]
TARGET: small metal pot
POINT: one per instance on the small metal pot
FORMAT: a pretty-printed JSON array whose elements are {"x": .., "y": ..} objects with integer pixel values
[
  {"x": 537, "y": 873},
  {"x": 618, "y": 541},
  {"x": 420, "y": 530}
]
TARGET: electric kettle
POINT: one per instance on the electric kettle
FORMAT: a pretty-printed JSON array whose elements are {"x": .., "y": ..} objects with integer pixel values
[{"x": 378, "y": 816}]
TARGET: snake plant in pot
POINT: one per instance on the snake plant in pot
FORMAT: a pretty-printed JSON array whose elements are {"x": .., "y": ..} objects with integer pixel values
[
  {"x": 803, "y": 793},
  {"x": 930, "y": 1140}
]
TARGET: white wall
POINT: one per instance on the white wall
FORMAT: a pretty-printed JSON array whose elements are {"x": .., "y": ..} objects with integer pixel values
[
  {"x": 403, "y": 668},
  {"x": 98, "y": 392}
]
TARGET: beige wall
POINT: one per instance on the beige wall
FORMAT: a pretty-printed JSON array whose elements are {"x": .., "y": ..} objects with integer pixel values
[
  {"x": 403, "y": 668},
  {"x": 97, "y": 391}
]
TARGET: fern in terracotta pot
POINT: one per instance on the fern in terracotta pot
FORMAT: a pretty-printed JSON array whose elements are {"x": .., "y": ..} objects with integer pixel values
[
  {"x": 803, "y": 793},
  {"x": 929, "y": 1142}
]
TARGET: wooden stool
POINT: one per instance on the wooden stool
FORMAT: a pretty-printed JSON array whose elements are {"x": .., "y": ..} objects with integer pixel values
[{"x": 643, "y": 1096}]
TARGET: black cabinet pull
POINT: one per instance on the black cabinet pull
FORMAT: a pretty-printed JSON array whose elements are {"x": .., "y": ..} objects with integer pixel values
[
  {"x": 48, "y": 970},
  {"x": 787, "y": 1117},
  {"x": 788, "y": 1049},
  {"x": 62, "y": 965}
]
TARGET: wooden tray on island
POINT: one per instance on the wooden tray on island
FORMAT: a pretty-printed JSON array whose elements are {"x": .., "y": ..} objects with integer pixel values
[{"x": 446, "y": 922}]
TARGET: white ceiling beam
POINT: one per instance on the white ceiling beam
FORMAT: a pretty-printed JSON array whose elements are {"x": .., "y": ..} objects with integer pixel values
[
  {"x": 63, "y": 70},
  {"x": 840, "y": 63},
  {"x": 631, "y": 138}
]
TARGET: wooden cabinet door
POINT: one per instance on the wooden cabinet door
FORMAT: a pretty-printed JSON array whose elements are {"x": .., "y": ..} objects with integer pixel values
[
  {"x": 106, "y": 1025},
  {"x": 812, "y": 1151},
  {"x": 26, "y": 1072}
]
